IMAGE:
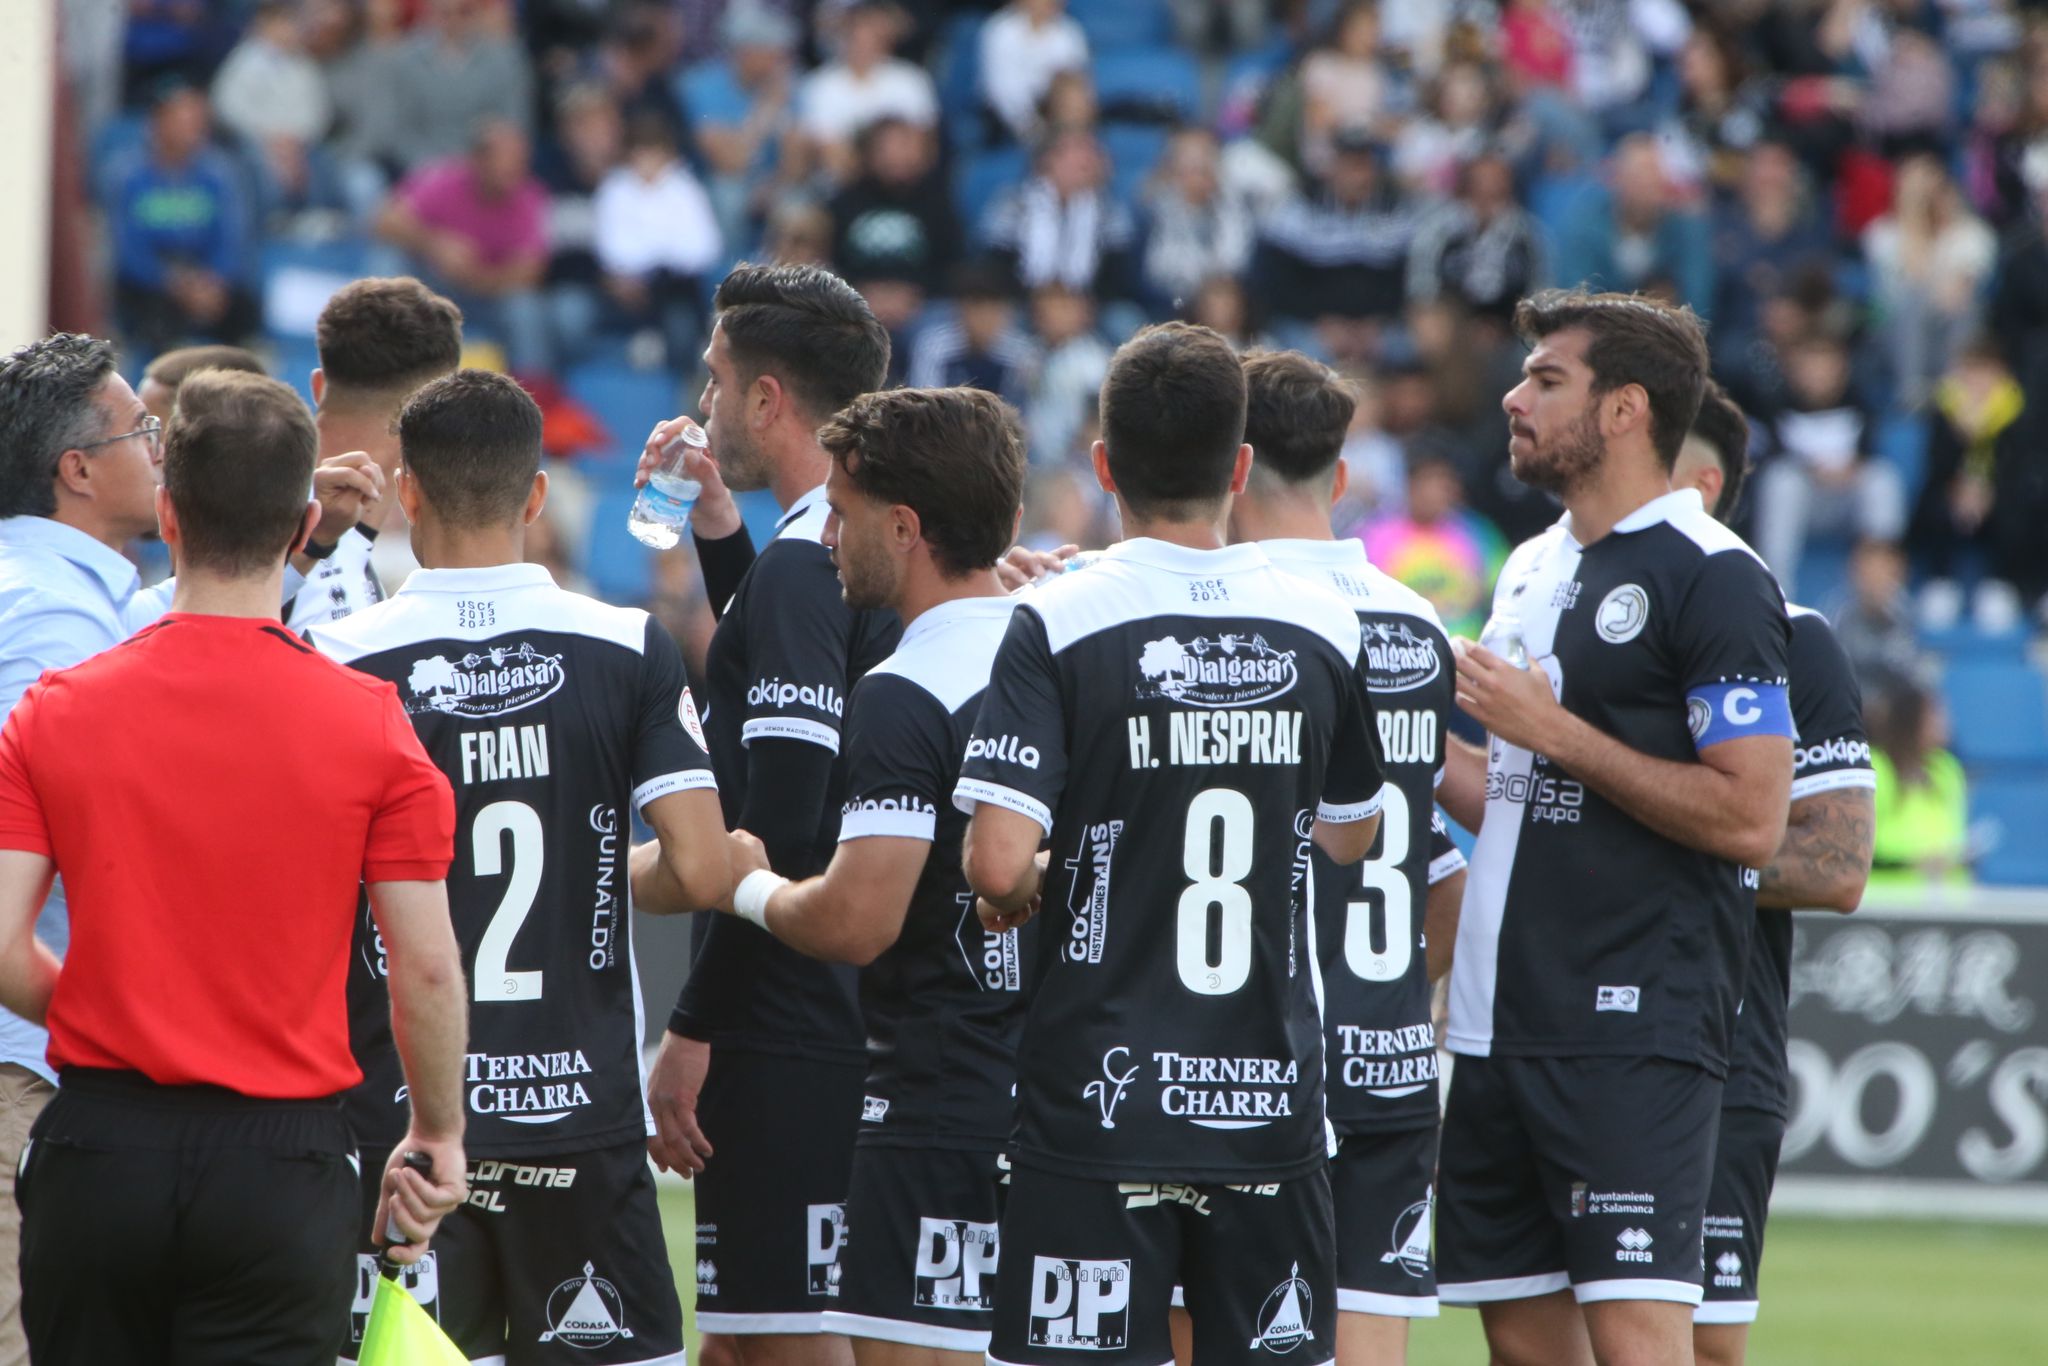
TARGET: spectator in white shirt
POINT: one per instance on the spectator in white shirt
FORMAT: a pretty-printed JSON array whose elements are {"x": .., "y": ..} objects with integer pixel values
[
  {"x": 1023, "y": 46},
  {"x": 271, "y": 94},
  {"x": 656, "y": 237},
  {"x": 865, "y": 83}
]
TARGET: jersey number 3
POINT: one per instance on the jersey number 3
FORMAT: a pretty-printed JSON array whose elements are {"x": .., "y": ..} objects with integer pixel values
[
  {"x": 493, "y": 980},
  {"x": 1387, "y": 884}
]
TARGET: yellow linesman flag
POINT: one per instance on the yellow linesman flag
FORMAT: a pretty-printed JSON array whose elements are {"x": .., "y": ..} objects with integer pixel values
[{"x": 400, "y": 1333}]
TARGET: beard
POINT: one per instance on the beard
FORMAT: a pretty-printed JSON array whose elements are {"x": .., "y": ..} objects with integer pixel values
[
  {"x": 864, "y": 578},
  {"x": 741, "y": 463},
  {"x": 1571, "y": 458}
]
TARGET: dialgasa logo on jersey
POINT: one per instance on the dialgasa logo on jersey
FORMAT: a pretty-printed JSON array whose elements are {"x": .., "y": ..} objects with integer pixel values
[
  {"x": 1226, "y": 670},
  {"x": 504, "y": 678},
  {"x": 1396, "y": 659}
]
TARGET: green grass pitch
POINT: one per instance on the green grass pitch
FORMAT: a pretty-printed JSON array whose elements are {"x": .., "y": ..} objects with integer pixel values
[{"x": 1836, "y": 1293}]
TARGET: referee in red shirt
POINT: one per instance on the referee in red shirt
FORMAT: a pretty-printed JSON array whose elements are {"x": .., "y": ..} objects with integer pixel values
[{"x": 213, "y": 792}]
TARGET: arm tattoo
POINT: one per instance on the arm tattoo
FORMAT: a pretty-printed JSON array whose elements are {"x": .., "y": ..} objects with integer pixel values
[{"x": 1827, "y": 844}]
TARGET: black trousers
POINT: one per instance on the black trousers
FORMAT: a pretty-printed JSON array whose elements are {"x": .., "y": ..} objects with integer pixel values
[{"x": 184, "y": 1225}]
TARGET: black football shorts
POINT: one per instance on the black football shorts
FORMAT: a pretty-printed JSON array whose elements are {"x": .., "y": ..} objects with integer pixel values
[
  {"x": 771, "y": 1203},
  {"x": 1745, "y": 1168},
  {"x": 1089, "y": 1269},
  {"x": 919, "y": 1258},
  {"x": 553, "y": 1261},
  {"x": 1587, "y": 1173},
  {"x": 1382, "y": 1185}
]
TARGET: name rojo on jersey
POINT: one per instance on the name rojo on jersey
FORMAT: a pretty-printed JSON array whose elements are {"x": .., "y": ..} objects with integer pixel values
[
  {"x": 554, "y": 716},
  {"x": 1176, "y": 720}
]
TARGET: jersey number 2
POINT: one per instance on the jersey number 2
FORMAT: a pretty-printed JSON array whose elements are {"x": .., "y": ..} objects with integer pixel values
[
  {"x": 1383, "y": 876},
  {"x": 493, "y": 980},
  {"x": 1216, "y": 865}
]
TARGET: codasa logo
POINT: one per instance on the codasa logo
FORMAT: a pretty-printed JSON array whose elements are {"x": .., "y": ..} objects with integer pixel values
[
  {"x": 1396, "y": 659},
  {"x": 1283, "y": 1318},
  {"x": 1007, "y": 749},
  {"x": 585, "y": 1311},
  {"x": 1408, "y": 1247},
  {"x": 1227, "y": 670},
  {"x": 499, "y": 680},
  {"x": 773, "y": 692}
]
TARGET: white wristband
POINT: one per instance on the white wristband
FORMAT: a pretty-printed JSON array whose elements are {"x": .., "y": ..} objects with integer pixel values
[{"x": 750, "y": 898}]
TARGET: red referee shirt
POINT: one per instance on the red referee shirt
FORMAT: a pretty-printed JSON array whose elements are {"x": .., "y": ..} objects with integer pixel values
[{"x": 212, "y": 791}]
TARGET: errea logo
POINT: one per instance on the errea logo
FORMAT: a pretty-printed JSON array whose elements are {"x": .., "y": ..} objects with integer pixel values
[{"x": 1634, "y": 1245}]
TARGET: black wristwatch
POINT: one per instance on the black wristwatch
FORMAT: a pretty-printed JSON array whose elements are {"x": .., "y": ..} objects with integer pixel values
[{"x": 316, "y": 551}]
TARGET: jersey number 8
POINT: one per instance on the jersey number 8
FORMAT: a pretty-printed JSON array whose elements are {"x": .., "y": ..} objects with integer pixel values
[{"x": 1216, "y": 868}]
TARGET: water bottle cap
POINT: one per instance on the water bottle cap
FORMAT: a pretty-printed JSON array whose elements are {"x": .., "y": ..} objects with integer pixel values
[{"x": 693, "y": 435}]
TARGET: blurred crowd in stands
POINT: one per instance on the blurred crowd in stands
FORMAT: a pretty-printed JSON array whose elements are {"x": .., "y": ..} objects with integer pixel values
[{"x": 1851, "y": 192}]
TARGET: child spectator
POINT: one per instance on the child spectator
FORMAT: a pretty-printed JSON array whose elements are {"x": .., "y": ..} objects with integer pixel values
[
  {"x": 1819, "y": 472},
  {"x": 1073, "y": 358},
  {"x": 656, "y": 240},
  {"x": 1438, "y": 547}
]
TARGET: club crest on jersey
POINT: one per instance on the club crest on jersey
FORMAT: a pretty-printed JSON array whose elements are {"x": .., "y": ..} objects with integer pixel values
[
  {"x": 1283, "y": 1318},
  {"x": 1227, "y": 670},
  {"x": 1396, "y": 659},
  {"x": 585, "y": 1311},
  {"x": 1408, "y": 1248},
  {"x": 1108, "y": 1093},
  {"x": 1623, "y": 614},
  {"x": 504, "y": 678},
  {"x": 686, "y": 712}
]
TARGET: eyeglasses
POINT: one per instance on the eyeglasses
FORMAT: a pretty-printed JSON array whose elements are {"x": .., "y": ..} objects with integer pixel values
[{"x": 153, "y": 428}]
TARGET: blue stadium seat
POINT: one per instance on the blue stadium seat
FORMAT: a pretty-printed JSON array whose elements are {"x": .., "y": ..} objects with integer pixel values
[
  {"x": 1112, "y": 24},
  {"x": 620, "y": 569},
  {"x": 2018, "y": 803},
  {"x": 983, "y": 176},
  {"x": 1134, "y": 149},
  {"x": 628, "y": 402},
  {"x": 1155, "y": 83},
  {"x": 960, "y": 78},
  {"x": 1902, "y": 439},
  {"x": 1998, "y": 710}
]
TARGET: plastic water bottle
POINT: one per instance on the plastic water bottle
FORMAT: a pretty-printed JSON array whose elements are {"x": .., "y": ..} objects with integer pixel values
[
  {"x": 664, "y": 504},
  {"x": 1502, "y": 634}
]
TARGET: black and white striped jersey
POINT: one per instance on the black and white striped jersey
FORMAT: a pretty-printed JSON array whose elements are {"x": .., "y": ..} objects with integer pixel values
[
  {"x": 1378, "y": 1035},
  {"x": 1176, "y": 720},
  {"x": 782, "y": 662},
  {"x": 555, "y": 717},
  {"x": 1584, "y": 932},
  {"x": 1832, "y": 753},
  {"x": 944, "y": 1004}
]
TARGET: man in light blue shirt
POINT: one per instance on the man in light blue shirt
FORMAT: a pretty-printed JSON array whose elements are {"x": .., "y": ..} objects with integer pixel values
[{"x": 80, "y": 461}]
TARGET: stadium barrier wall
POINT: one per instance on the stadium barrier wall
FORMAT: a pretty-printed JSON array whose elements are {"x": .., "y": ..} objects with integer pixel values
[{"x": 1919, "y": 1058}]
